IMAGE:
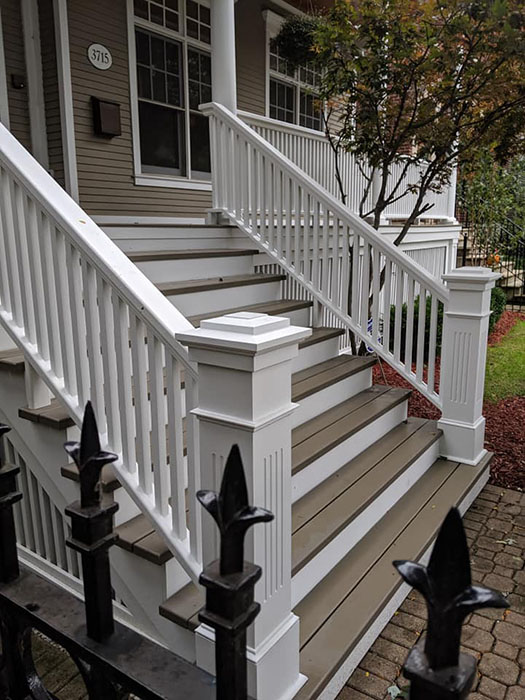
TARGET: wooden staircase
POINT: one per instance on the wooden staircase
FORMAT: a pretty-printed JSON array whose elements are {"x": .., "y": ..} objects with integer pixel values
[{"x": 368, "y": 483}]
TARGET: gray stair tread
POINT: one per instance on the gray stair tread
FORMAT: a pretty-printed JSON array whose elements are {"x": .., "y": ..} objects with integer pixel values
[
  {"x": 153, "y": 548},
  {"x": 139, "y": 536},
  {"x": 359, "y": 482},
  {"x": 13, "y": 360},
  {"x": 210, "y": 283},
  {"x": 54, "y": 415},
  {"x": 148, "y": 255},
  {"x": 183, "y": 607},
  {"x": 133, "y": 531},
  {"x": 321, "y": 334},
  {"x": 338, "y": 612},
  {"x": 324, "y": 374},
  {"x": 273, "y": 308},
  {"x": 316, "y": 437},
  {"x": 108, "y": 479}
]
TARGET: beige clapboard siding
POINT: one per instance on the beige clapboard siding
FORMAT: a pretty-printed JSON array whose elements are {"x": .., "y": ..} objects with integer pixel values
[
  {"x": 51, "y": 93},
  {"x": 105, "y": 166},
  {"x": 15, "y": 65},
  {"x": 251, "y": 56}
]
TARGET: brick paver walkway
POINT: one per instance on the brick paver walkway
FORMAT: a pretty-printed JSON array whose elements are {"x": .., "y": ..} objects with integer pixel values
[{"x": 495, "y": 526}]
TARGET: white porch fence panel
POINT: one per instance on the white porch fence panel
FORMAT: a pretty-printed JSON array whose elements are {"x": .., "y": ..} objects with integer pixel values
[
  {"x": 310, "y": 150},
  {"x": 95, "y": 328},
  {"x": 335, "y": 257}
]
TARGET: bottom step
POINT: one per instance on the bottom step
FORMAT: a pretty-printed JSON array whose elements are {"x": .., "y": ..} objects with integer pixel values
[{"x": 343, "y": 615}]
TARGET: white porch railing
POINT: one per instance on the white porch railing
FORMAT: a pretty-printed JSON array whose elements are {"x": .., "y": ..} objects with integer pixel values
[
  {"x": 311, "y": 151},
  {"x": 335, "y": 257},
  {"x": 93, "y": 327}
]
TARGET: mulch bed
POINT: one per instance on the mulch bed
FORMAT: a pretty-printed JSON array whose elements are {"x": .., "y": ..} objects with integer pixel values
[{"x": 505, "y": 426}]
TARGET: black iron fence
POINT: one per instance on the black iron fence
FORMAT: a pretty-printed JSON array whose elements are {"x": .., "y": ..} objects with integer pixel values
[
  {"x": 116, "y": 663},
  {"x": 501, "y": 248}
]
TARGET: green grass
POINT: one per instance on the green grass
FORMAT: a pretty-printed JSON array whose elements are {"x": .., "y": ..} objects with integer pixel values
[{"x": 505, "y": 374}]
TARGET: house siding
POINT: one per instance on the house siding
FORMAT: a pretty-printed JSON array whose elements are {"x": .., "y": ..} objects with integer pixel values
[
  {"x": 15, "y": 65},
  {"x": 51, "y": 92},
  {"x": 250, "y": 36},
  {"x": 105, "y": 166}
]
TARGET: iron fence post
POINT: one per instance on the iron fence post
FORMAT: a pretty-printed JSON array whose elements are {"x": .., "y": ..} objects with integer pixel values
[
  {"x": 92, "y": 528},
  {"x": 436, "y": 668},
  {"x": 230, "y": 581},
  {"x": 9, "y": 495}
]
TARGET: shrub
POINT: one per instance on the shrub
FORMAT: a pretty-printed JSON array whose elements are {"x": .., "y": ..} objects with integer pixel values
[
  {"x": 416, "y": 321},
  {"x": 498, "y": 301}
]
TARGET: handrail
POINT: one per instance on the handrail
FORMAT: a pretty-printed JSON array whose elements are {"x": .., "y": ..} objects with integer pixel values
[
  {"x": 337, "y": 208},
  {"x": 259, "y": 120},
  {"x": 324, "y": 246},
  {"x": 311, "y": 151},
  {"x": 103, "y": 253},
  {"x": 94, "y": 327}
]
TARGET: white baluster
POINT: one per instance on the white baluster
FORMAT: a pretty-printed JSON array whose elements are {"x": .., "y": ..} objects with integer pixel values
[{"x": 139, "y": 354}]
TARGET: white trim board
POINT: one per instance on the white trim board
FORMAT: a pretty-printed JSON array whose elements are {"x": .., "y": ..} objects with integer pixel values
[
  {"x": 67, "y": 118},
  {"x": 35, "y": 87},
  {"x": 117, "y": 220},
  {"x": 4, "y": 102}
]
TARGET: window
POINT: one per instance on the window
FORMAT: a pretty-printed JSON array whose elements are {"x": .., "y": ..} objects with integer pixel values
[
  {"x": 173, "y": 79},
  {"x": 292, "y": 92}
]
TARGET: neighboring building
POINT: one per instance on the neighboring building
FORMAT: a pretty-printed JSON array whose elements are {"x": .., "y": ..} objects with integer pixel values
[{"x": 174, "y": 130}]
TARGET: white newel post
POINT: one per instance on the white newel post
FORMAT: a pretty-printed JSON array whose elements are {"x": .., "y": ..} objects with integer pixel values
[
  {"x": 223, "y": 71},
  {"x": 245, "y": 364},
  {"x": 463, "y": 357}
]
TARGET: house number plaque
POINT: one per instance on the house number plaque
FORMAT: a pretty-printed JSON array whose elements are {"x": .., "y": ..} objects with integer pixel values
[{"x": 100, "y": 56}]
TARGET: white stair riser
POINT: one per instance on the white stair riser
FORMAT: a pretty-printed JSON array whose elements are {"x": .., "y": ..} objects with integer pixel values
[
  {"x": 145, "y": 238},
  {"x": 335, "y": 685},
  {"x": 323, "y": 467},
  {"x": 334, "y": 394},
  {"x": 196, "y": 303},
  {"x": 195, "y": 268},
  {"x": 138, "y": 574},
  {"x": 319, "y": 567},
  {"x": 314, "y": 354}
]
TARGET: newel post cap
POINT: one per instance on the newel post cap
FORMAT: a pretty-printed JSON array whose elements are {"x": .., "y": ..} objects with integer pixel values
[
  {"x": 471, "y": 278},
  {"x": 244, "y": 332}
]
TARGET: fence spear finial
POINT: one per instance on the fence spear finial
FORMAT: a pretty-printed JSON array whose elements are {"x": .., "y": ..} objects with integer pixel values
[
  {"x": 89, "y": 458},
  {"x": 231, "y": 511},
  {"x": 446, "y": 586}
]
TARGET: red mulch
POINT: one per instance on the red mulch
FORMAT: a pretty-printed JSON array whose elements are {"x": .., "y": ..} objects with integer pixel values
[
  {"x": 507, "y": 321},
  {"x": 505, "y": 426}
]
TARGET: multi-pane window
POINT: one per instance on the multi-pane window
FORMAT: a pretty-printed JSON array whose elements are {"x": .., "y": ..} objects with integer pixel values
[
  {"x": 282, "y": 101},
  {"x": 198, "y": 21},
  {"x": 173, "y": 79},
  {"x": 162, "y": 12},
  {"x": 293, "y": 92}
]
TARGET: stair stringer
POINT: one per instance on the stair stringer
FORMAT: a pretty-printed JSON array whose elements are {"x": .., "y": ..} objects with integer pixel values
[{"x": 128, "y": 581}]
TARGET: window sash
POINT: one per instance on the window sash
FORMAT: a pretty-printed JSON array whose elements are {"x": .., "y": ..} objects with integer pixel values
[{"x": 188, "y": 49}]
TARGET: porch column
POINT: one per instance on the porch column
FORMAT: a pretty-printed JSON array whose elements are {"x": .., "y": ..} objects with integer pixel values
[
  {"x": 451, "y": 196},
  {"x": 223, "y": 72},
  {"x": 244, "y": 364},
  {"x": 463, "y": 358}
]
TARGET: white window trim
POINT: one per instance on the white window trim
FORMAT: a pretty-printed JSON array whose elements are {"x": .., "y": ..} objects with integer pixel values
[
  {"x": 141, "y": 178},
  {"x": 67, "y": 117},
  {"x": 4, "y": 103},
  {"x": 274, "y": 22},
  {"x": 35, "y": 85}
]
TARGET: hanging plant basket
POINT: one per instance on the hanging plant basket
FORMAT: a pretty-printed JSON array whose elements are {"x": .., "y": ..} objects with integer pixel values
[{"x": 295, "y": 40}]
